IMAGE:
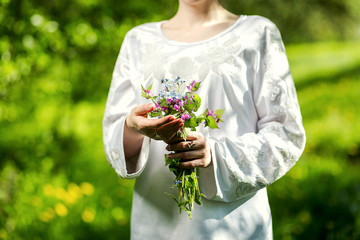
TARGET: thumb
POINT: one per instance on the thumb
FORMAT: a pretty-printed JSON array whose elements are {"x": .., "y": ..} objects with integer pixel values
[{"x": 144, "y": 109}]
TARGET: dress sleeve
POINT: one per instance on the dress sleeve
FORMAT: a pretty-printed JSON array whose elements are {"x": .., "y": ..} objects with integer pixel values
[
  {"x": 245, "y": 164},
  {"x": 121, "y": 99}
]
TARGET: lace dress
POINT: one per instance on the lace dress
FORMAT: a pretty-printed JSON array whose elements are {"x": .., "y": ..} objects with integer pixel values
[{"x": 243, "y": 69}]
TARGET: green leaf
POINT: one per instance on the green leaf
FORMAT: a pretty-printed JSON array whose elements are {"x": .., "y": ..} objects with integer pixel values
[
  {"x": 155, "y": 114},
  {"x": 211, "y": 122},
  {"x": 189, "y": 107},
  {"x": 191, "y": 123},
  {"x": 149, "y": 88},
  {"x": 171, "y": 161},
  {"x": 219, "y": 113},
  {"x": 196, "y": 86},
  {"x": 177, "y": 202},
  {"x": 197, "y": 102},
  {"x": 184, "y": 133},
  {"x": 189, "y": 95}
]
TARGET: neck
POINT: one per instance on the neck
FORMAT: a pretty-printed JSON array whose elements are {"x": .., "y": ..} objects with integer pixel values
[{"x": 198, "y": 12}]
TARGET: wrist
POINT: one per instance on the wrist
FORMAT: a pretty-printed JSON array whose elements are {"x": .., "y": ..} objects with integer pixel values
[{"x": 129, "y": 129}]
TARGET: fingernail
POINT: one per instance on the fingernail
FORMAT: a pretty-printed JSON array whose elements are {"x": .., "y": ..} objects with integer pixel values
[{"x": 150, "y": 106}]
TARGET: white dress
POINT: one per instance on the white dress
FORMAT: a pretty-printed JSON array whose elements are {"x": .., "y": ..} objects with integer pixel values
[{"x": 243, "y": 69}]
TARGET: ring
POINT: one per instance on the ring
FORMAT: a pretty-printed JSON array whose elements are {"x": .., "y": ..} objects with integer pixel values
[{"x": 191, "y": 144}]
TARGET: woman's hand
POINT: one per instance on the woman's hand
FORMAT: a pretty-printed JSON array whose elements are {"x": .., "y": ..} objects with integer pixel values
[
  {"x": 159, "y": 129},
  {"x": 195, "y": 152}
]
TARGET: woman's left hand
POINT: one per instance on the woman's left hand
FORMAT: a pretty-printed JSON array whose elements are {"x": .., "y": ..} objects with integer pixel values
[{"x": 195, "y": 152}]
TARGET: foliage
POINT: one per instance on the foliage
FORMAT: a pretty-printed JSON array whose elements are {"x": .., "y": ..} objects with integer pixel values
[
  {"x": 319, "y": 198},
  {"x": 181, "y": 101},
  {"x": 306, "y": 20},
  {"x": 56, "y": 60}
]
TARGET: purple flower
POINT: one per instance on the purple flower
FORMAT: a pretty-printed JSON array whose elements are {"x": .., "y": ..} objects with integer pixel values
[
  {"x": 168, "y": 100},
  {"x": 177, "y": 107},
  {"x": 211, "y": 113},
  {"x": 193, "y": 83},
  {"x": 185, "y": 116}
]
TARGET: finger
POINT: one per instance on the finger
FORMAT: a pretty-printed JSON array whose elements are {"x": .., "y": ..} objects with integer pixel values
[
  {"x": 170, "y": 124},
  {"x": 191, "y": 164},
  {"x": 162, "y": 121},
  {"x": 171, "y": 133},
  {"x": 169, "y": 129},
  {"x": 191, "y": 136},
  {"x": 184, "y": 146},
  {"x": 154, "y": 123},
  {"x": 143, "y": 109},
  {"x": 187, "y": 155}
]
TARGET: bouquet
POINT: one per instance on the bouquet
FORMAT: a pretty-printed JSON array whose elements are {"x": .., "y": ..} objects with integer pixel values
[{"x": 182, "y": 102}]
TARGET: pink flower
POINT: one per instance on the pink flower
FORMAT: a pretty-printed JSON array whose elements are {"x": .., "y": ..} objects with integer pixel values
[
  {"x": 177, "y": 107},
  {"x": 185, "y": 116},
  {"x": 211, "y": 113}
]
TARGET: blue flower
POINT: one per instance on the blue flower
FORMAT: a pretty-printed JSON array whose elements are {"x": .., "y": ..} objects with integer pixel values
[{"x": 164, "y": 80}]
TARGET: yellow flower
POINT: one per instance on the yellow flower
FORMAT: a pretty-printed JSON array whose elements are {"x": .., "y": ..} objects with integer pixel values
[
  {"x": 47, "y": 215},
  {"x": 88, "y": 215},
  {"x": 61, "y": 210},
  {"x": 87, "y": 188},
  {"x": 73, "y": 194},
  {"x": 60, "y": 193}
]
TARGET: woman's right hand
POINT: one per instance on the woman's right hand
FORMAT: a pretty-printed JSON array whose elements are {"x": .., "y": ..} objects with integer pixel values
[{"x": 159, "y": 129}]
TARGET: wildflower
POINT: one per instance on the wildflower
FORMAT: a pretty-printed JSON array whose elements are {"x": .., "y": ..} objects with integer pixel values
[
  {"x": 173, "y": 95},
  {"x": 183, "y": 105},
  {"x": 211, "y": 113},
  {"x": 176, "y": 182},
  {"x": 185, "y": 116},
  {"x": 164, "y": 80}
]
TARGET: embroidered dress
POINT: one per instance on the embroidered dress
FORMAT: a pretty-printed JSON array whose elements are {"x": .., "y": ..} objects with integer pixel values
[{"x": 243, "y": 69}]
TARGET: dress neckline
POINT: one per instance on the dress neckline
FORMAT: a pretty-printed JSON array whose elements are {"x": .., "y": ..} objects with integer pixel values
[{"x": 174, "y": 42}]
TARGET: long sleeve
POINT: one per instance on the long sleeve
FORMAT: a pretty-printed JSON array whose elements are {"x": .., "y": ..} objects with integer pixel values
[
  {"x": 244, "y": 164},
  {"x": 121, "y": 99}
]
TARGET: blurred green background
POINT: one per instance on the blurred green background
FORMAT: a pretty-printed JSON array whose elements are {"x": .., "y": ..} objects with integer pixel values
[{"x": 56, "y": 64}]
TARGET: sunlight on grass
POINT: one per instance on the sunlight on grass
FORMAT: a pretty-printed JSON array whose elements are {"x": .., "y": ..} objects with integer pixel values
[{"x": 319, "y": 60}]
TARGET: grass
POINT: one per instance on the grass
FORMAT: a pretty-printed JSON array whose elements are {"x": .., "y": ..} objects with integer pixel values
[
  {"x": 319, "y": 198},
  {"x": 44, "y": 195}
]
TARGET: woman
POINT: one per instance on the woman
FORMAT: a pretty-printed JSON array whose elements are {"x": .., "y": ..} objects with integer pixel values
[{"x": 242, "y": 66}]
